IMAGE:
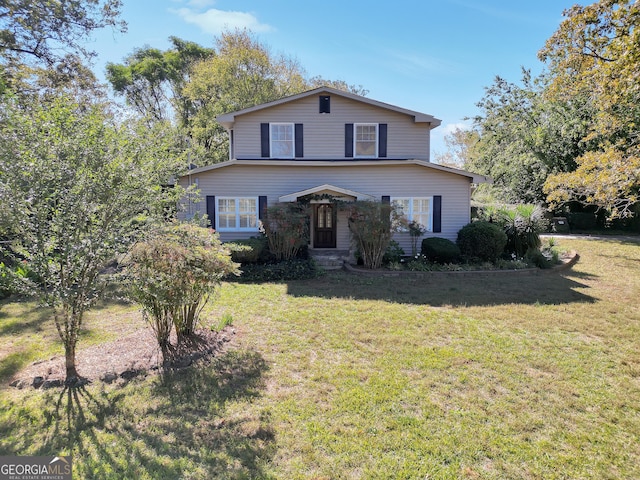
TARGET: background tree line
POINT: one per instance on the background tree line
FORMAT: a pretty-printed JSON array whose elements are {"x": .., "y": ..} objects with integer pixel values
[{"x": 572, "y": 133}]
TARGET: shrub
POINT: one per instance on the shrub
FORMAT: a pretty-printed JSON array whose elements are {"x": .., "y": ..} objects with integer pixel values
[
  {"x": 440, "y": 250},
  {"x": 393, "y": 254},
  {"x": 252, "y": 250},
  {"x": 293, "y": 269},
  {"x": 172, "y": 274},
  {"x": 287, "y": 229},
  {"x": 372, "y": 224},
  {"x": 482, "y": 240},
  {"x": 523, "y": 225}
]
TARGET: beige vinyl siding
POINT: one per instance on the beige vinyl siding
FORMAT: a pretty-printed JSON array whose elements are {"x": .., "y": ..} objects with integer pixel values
[
  {"x": 400, "y": 180},
  {"x": 324, "y": 133}
]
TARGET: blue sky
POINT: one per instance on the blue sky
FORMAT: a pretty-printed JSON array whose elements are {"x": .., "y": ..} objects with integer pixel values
[{"x": 435, "y": 57}]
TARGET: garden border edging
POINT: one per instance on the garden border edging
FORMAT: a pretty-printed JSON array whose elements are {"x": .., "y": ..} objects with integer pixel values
[{"x": 567, "y": 263}]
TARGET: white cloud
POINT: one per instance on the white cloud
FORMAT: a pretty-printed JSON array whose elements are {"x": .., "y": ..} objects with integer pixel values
[
  {"x": 199, "y": 4},
  {"x": 215, "y": 21},
  {"x": 452, "y": 127}
]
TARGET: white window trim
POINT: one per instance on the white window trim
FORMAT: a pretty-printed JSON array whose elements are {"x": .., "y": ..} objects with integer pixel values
[
  {"x": 355, "y": 139},
  {"x": 409, "y": 214},
  {"x": 237, "y": 228},
  {"x": 293, "y": 139}
]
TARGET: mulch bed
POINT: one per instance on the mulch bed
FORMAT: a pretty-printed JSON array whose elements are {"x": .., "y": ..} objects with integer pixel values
[{"x": 133, "y": 355}]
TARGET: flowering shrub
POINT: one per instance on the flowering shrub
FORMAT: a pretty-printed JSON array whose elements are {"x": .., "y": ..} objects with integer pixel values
[
  {"x": 172, "y": 275},
  {"x": 372, "y": 225},
  {"x": 287, "y": 229}
]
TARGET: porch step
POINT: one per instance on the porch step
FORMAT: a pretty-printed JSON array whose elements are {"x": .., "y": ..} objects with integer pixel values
[{"x": 329, "y": 259}]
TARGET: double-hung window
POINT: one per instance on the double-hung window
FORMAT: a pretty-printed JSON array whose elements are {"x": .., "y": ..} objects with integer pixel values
[
  {"x": 418, "y": 209},
  {"x": 237, "y": 213},
  {"x": 365, "y": 140},
  {"x": 282, "y": 140}
]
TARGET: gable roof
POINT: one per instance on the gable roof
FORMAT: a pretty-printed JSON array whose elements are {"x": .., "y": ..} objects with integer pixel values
[
  {"x": 227, "y": 119},
  {"x": 473, "y": 177}
]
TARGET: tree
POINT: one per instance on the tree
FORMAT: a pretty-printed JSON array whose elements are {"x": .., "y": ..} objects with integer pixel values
[
  {"x": 241, "y": 74},
  {"x": 524, "y": 136},
  {"x": 77, "y": 189},
  {"x": 152, "y": 81},
  {"x": 460, "y": 148},
  {"x": 46, "y": 30},
  {"x": 595, "y": 54},
  {"x": 318, "y": 81}
]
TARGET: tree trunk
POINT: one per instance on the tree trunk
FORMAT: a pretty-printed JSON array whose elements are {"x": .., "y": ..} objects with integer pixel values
[{"x": 70, "y": 362}]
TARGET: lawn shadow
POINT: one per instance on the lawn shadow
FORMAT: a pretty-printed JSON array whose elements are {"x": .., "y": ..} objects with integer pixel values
[
  {"x": 448, "y": 289},
  {"x": 173, "y": 425},
  {"x": 36, "y": 315}
]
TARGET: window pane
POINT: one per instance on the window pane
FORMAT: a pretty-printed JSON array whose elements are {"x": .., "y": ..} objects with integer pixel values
[
  {"x": 282, "y": 141},
  {"x": 226, "y": 205},
  {"x": 226, "y": 220},
  {"x": 366, "y": 141},
  {"x": 247, "y": 204},
  {"x": 421, "y": 205},
  {"x": 247, "y": 221}
]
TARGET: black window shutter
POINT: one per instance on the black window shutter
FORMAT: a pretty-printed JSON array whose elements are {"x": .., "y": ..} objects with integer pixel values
[
  {"x": 437, "y": 213},
  {"x": 348, "y": 139},
  {"x": 211, "y": 210},
  {"x": 382, "y": 142},
  {"x": 386, "y": 210},
  {"x": 262, "y": 207},
  {"x": 299, "y": 140},
  {"x": 264, "y": 140}
]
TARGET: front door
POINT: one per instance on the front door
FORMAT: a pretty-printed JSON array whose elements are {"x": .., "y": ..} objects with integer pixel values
[{"x": 325, "y": 226}]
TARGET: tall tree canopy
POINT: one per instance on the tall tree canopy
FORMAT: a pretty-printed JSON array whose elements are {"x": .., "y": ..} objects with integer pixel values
[
  {"x": 152, "y": 81},
  {"x": 595, "y": 54},
  {"x": 48, "y": 30},
  {"x": 524, "y": 136}
]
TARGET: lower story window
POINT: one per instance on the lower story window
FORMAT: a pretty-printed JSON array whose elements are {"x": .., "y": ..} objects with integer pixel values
[
  {"x": 239, "y": 213},
  {"x": 418, "y": 209}
]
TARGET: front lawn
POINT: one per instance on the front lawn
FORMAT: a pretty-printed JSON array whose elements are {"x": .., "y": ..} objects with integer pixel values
[{"x": 472, "y": 376}]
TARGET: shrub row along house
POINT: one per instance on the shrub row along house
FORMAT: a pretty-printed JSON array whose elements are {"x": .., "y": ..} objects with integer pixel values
[{"x": 326, "y": 146}]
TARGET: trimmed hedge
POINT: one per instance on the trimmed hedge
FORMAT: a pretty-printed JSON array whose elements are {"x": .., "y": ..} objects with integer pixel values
[
  {"x": 294, "y": 269},
  {"x": 482, "y": 240},
  {"x": 440, "y": 250},
  {"x": 253, "y": 250}
]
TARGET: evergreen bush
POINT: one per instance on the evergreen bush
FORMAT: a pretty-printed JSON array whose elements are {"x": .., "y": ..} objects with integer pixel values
[
  {"x": 482, "y": 240},
  {"x": 440, "y": 250}
]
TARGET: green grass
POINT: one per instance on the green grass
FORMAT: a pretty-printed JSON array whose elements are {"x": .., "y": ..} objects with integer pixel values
[{"x": 473, "y": 376}]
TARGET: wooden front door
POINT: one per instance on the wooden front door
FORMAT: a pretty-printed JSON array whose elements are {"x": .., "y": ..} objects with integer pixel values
[{"x": 325, "y": 226}]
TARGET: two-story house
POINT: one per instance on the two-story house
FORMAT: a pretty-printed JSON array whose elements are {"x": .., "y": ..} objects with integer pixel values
[{"x": 327, "y": 144}]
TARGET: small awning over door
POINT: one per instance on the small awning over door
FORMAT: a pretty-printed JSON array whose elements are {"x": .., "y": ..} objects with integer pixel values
[{"x": 336, "y": 192}]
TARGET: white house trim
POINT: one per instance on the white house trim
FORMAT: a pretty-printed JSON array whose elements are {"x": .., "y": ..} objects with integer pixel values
[{"x": 341, "y": 193}]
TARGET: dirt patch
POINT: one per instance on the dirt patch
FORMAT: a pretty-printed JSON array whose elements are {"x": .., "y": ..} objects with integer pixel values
[{"x": 127, "y": 357}]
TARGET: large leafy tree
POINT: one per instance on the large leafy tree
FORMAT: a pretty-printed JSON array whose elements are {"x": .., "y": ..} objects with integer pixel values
[
  {"x": 76, "y": 188},
  {"x": 47, "y": 30},
  {"x": 595, "y": 54},
  {"x": 152, "y": 81},
  {"x": 524, "y": 136}
]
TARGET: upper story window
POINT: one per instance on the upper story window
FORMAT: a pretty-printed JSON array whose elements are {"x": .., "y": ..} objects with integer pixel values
[
  {"x": 365, "y": 140},
  {"x": 282, "y": 140}
]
